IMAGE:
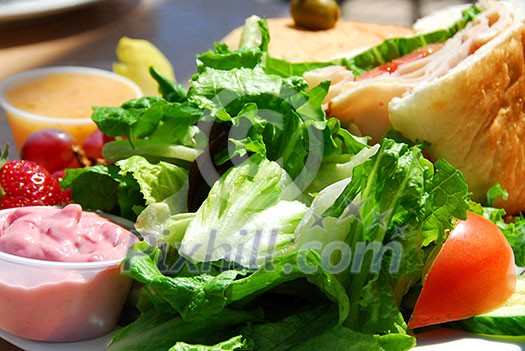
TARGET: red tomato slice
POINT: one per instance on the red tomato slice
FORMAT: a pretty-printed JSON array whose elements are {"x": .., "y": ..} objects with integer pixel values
[
  {"x": 392, "y": 66},
  {"x": 473, "y": 273}
]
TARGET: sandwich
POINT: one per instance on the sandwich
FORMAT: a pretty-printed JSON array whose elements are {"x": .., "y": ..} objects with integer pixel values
[
  {"x": 474, "y": 114},
  {"x": 456, "y": 83}
]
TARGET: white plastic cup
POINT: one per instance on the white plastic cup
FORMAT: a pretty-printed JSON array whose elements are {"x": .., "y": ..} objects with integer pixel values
[
  {"x": 24, "y": 122},
  {"x": 54, "y": 301}
]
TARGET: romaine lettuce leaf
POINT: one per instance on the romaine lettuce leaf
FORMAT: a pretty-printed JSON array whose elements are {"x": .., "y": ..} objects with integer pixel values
[
  {"x": 157, "y": 181},
  {"x": 196, "y": 302},
  {"x": 233, "y": 223},
  {"x": 513, "y": 228},
  {"x": 228, "y": 60},
  {"x": 292, "y": 331},
  {"x": 168, "y": 88},
  {"x": 162, "y": 330},
  {"x": 379, "y": 221},
  {"x": 344, "y": 339},
  {"x": 164, "y": 222},
  {"x": 515, "y": 233},
  {"x": 153, "y": 128},
  {"x": 235, "y": 343}
]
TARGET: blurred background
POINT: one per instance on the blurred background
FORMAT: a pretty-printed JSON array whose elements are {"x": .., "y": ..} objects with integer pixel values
[{"x": 402, "y": 12}]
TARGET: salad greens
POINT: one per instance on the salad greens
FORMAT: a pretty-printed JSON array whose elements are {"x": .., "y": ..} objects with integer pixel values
[
  {"x": 244, "y": 226},
  {"x": 513, "y": 230},
  {"x": 267, "y": 226},
  {"x": 105, "y": 188}
]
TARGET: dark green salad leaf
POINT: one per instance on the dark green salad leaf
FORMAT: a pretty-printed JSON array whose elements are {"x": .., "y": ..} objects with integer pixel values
[
  {"x": 513, "y": 229},
  {"x": 104, "y": 188}
]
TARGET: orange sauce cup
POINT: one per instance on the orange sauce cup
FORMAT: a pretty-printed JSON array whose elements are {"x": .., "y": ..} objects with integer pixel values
[{"x": 61, "y": 98}]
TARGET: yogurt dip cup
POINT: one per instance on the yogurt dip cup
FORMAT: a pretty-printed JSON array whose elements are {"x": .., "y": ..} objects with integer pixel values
[{"x": 51, "y": 301}]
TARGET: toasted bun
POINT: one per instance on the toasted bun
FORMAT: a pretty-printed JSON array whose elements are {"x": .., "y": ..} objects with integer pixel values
[
  {"x": 294, "y": 44},
  {"x": 474, "y": 116}
]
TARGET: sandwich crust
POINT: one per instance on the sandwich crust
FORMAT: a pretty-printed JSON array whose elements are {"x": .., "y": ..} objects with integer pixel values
[
  {"x": 474, "y": 117},
  {"x": 295, "y": 44}
]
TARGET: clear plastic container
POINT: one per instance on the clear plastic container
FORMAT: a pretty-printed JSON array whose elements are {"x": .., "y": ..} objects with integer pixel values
[
  {"x": 29, "y": 97},
  {"x": 60, "y": 302}
]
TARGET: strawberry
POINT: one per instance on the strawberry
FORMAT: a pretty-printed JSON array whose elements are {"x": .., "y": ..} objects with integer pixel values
[{"x": 25, "y": 183}]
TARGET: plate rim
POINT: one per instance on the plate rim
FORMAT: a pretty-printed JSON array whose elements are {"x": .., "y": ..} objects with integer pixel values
[
  {"x": 439, "y": 339},
  {"x": 19, "y": 10}
]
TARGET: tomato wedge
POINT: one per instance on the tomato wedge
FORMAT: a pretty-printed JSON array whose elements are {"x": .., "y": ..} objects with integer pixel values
[{"x": 473, "y": 273}]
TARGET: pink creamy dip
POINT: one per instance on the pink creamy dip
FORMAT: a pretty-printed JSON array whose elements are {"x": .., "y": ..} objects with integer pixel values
[{"x": 62, "y": 235}]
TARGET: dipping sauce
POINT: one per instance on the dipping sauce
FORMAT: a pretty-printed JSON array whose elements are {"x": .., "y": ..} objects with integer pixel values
[
  {"x": 62, "y": 235},
  {"x": 69, "y": 95},
  {"x": 60, "y": 278},
  {"x": 61, "y": 98}
]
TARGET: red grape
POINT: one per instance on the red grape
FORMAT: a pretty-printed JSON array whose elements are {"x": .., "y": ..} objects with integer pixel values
[
  {"x": 53, "y": 149},
  {"x": 93, "y": 145}
]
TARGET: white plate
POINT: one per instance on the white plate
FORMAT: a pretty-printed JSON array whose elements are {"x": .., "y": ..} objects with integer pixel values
[
  {"x": 437, "y": 340},
  {"x": 11, "y": 10}
]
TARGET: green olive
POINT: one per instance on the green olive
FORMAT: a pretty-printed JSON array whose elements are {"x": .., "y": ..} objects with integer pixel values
[{"x": 315, "y": 14}]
